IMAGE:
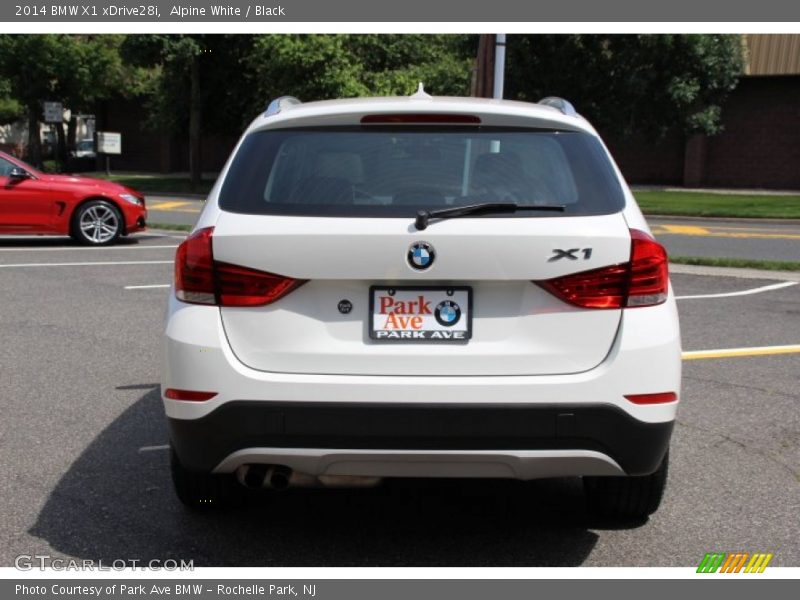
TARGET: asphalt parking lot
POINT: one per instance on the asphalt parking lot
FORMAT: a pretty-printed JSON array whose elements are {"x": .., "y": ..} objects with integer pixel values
[{"x": 84, "y": 470}]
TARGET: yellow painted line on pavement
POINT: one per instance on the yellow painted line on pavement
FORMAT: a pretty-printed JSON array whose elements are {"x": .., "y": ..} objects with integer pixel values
[
  {"x": 685, "y": 229},
  {"x": 173, "y": 206},
  {"x": 693, "y": 230},
  {"x": 176, "y": 210},
  {"x": 762, "y": 236},
  {"x": 757, "y": 229},
  {"x": 741, "y": 352},
  {"x": 168, "y": 204}
]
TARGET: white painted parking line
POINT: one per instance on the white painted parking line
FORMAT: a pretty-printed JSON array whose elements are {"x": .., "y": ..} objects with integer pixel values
[
  {"x": 154, "y": 448},
  {"x": 70, "y": 249},
  {"x": 758, "y": 290},
  {"x": 147, "y": 287},
  {"x": 89, "y": 264}
]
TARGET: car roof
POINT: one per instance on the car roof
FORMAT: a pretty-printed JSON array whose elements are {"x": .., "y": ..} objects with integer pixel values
[{"x": 492, "y": 112}]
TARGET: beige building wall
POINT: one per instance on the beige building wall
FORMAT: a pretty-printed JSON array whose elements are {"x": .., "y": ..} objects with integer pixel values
[{"x": 772, "y": 54}]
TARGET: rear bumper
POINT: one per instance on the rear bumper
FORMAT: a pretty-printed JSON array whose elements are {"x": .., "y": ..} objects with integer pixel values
[
  {"x": 645, "y": 358},
  {"x": 412, "y": 440},
  {"x": 478, "y": 426},
  {"x": 508, "y": 464}
]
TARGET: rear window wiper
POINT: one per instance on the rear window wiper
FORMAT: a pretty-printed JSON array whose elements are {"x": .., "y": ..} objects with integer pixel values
[{"x": 424, "y": 216}]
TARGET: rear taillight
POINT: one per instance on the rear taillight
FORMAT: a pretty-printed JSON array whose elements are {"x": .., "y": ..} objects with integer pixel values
[
  {"x": 642, "y": 281},
  {"x": 649, "y": 278},
  {"x": 240, "y": 286},
  {"x": 600, "y": 288},
  {"x": 199, "y": 279},
  {"x": 194, "y": 269}
]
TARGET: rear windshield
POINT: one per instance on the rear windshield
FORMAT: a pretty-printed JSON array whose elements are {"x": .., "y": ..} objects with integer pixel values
[{"x": 394, "y": 172}]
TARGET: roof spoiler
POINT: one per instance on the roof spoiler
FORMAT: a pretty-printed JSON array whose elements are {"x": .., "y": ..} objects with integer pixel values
[
  {"x": 280, "y": 104},
  {"x": 564, "y": 106}
]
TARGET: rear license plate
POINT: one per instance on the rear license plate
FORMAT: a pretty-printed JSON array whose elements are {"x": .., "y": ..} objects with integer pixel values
[{"x": 420, "y": 314}]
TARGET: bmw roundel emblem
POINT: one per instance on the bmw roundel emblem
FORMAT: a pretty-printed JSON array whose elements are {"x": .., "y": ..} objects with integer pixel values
[
  {"x": 447, "y": 313},
  {"x": 421, "y": 256}
]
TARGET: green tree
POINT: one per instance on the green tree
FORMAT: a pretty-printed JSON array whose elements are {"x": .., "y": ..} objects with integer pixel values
[
  {"x": 177, "y": 95},
  {"x": 93, "y": 73},
  {"x": 76, "y": 70},
  {"x": 395, "y": 64},
  {"x": 627, "y": 84},
  {"x": 311, "y": 67},
  {"x": 10, "y": 108},
  {"x": 217, "y": 83},
  {"x": 314, "y": 67},
  {"x": 31, "y": 65}
]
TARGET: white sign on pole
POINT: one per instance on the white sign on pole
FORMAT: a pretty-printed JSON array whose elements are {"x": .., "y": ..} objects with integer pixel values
[
  {"x": 53, "y": 112},
  {"x": 109, "y": 142}
]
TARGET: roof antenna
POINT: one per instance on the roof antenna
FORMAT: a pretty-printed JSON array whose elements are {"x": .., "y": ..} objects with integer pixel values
[{"x": 421, "y": 94}]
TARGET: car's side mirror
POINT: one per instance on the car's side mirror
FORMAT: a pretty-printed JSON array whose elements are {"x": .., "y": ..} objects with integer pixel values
[{"x": 18, "y": 173}]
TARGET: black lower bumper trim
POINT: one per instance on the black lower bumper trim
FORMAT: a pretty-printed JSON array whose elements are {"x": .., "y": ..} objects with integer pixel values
[{"x": 638, "y": 447}]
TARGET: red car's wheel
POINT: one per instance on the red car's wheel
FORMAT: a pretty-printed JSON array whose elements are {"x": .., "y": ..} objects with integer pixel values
[{"x": 97, "y": 223}]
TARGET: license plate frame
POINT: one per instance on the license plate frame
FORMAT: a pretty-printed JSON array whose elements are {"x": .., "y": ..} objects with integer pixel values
[{"x": 437, "y": 335}]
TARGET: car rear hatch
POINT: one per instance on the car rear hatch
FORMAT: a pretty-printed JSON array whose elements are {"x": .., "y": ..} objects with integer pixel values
[
  {"x": 330, "y": 210},
  {"x": 323, "y": 326}
]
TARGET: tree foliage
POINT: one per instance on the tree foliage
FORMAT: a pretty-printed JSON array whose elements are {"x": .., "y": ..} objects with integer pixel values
[
  {"x": 242, "y": 73},
  {"x": 167, "y": 59},
  {"x": 10, "y": 108},
  {"x": 76, "y": 70},
  {"x": 624, "y": 84},
  {"x": 628, "y": 84},
  {"x": 342, "y": 66},
  {"x": 644, "y": 84}
]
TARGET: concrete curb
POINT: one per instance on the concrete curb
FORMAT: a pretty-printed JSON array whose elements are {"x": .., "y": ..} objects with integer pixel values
[
  {"x": 734, "y": 272},
  {"x": 749, "y": 220},
  {"x": 175, "y": 195},
  {"x": 718, "y": 191}
]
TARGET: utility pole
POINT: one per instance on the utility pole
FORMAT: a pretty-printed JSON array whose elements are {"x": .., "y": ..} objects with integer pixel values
[
  {"x": 499, "y": 65},
  {"x": 484, "y": 68},
  {"x": 195, "y": 139},
  {"x": 489, "y": 74}
]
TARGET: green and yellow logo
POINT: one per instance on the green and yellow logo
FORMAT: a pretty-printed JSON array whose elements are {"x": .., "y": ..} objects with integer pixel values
[{"x": 735, "y": 562}]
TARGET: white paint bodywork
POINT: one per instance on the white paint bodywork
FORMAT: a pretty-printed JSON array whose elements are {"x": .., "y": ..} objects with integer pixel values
[
  {"x": 528, "y": 347},
  {"x": 518, "y": 328},
  {"x": 645, "y": 358}
]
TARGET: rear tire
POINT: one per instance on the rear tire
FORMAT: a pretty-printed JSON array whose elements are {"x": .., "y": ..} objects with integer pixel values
[
  {"x": 203, "y": 491},
  {"x": 633, "y": 497}
]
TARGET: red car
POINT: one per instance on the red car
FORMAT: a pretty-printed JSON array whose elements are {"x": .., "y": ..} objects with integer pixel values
[{"x": 93, "y": 211}]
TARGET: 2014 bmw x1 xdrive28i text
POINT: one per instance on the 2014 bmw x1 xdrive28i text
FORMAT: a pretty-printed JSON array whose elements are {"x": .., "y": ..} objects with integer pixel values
[{"x": 421, "y": 287}]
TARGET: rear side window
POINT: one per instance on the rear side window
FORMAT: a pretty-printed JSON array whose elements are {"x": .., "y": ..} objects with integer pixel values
[{"x": 394, "y": 172}]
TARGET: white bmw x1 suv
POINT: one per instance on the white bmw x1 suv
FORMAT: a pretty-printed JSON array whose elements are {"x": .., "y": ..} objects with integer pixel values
[{"x": 421, "y": 287}]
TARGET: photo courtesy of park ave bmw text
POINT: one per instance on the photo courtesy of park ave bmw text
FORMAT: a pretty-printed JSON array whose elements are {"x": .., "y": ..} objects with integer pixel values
[{"x": 335, "y": 299}]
